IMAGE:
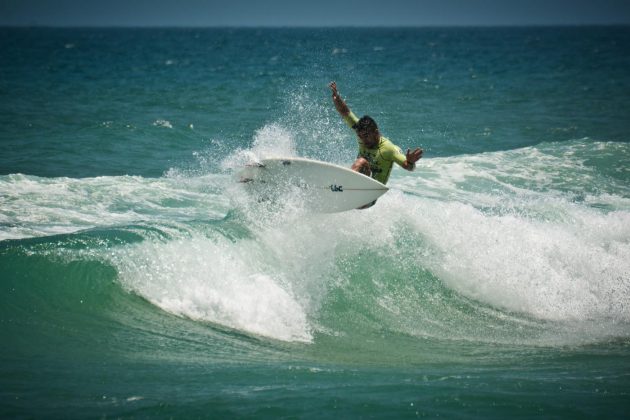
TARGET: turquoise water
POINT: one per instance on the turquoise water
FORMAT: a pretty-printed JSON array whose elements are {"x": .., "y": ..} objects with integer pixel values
[{"x": 137, "y": 279}]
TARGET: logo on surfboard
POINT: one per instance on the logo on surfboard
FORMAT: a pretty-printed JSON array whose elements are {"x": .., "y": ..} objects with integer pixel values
[{"x": 336, "y": 188}]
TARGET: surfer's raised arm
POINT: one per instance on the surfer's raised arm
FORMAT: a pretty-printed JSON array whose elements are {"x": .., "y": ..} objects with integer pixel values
[{"x": 340, "y": 105}]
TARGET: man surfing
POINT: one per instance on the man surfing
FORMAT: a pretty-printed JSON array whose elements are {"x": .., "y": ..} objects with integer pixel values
[{"x": 377, "y": 154}]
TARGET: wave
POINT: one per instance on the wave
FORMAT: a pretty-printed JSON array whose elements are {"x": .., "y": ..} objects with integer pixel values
[
  {"x": 36, "y": 206},
  {"x": 521, "y": 247}
]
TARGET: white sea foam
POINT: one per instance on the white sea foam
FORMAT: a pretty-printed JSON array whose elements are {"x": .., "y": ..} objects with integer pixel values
[
  {"x": 163, "y": 123},
  {"x": 215, "y": 281},
  {"x": 507, "y": 230},
  {"x": 33, "y": 206},
  {"x": 551, "y": 270}
]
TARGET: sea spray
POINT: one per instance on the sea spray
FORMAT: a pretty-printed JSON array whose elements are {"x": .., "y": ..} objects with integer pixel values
[{"x": 214, "y": 281}]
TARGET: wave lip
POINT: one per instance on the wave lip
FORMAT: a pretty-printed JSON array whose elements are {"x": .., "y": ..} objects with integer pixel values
[{"x": 216, "y": 282}]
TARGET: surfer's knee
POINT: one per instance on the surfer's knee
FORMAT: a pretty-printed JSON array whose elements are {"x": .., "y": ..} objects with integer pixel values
[{"x": 362, "y": 165}]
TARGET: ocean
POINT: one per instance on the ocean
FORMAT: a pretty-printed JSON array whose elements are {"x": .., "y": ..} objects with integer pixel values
[{"x": 138, "y": 279}]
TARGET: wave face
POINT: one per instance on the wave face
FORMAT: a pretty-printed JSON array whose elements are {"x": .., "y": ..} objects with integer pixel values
[{"x": 494, "y": 247}]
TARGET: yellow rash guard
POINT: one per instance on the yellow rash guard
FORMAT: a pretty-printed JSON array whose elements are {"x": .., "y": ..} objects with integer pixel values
[{"x": 382, "y": 157}]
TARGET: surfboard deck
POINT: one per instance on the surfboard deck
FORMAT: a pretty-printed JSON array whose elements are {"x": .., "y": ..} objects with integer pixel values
[{"x": 319, "y": 186}]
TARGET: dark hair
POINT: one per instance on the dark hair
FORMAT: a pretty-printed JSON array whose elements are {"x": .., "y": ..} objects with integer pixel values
[{"x": 366, "y": 123}]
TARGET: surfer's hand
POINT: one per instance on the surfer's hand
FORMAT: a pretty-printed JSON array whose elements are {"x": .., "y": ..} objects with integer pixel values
[
  {"x": 340, "y": 105},
  {"x": 412, "y": 158},
  {"x": 333, "y": 87}
]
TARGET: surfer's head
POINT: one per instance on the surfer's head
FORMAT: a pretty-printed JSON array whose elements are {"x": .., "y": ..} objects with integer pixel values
[{"x": 367, "y": 130}]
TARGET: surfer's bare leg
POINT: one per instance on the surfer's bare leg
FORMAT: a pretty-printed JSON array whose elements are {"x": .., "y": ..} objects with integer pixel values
[{"x": 361, "y": 165}]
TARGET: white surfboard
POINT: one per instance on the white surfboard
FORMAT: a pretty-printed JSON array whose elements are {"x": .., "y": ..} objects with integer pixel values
[{"x": 320, "y": 186}]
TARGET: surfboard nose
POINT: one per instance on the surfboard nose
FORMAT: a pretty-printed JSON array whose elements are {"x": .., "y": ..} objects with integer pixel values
[{"x": 320, "y": 186}]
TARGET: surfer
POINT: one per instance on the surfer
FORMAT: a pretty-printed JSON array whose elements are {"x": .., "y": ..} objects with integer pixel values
[{"x": 377, "y": 154}]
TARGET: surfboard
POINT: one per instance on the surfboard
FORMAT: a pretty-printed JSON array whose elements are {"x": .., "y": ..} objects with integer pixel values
[{"x": 319, "y": 186}]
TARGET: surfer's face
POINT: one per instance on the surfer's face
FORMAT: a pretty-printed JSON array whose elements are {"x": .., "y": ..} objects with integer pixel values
[{"x": 369, "y": 137}]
